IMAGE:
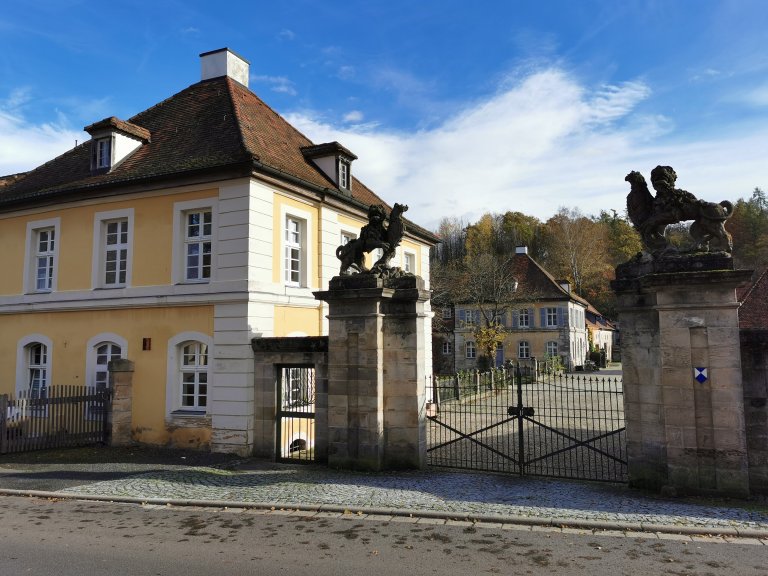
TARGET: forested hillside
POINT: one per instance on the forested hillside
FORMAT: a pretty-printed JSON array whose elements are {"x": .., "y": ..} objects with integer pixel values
[{"x": 584, "y": 249}]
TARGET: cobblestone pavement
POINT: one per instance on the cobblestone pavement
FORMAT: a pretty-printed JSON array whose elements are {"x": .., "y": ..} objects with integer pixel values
[{"x": 433, "y": 493}]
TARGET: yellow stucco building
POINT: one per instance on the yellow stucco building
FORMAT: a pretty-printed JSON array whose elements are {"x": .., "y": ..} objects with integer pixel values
[{"x": 172, "y": 239}]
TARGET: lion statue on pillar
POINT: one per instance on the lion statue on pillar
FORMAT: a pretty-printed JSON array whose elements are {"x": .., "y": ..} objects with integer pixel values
[{"x": 651, "y": 215}]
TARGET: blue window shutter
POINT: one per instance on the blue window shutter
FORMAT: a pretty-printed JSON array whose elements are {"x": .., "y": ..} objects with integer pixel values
[
  {"x": 543, "y": 317},
  {"x": 462, "y": 316},
  {"x": 531, "y": 317},
  {"x": 515, "y": 318},
  {"x": 562, "y": 318},
  {"x": 477, "y": 317}
]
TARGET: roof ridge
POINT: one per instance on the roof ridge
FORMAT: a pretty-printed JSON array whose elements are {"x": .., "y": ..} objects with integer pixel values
[
  {"x": 239, "y": 120},
  {"x": 754, "y": 285}
]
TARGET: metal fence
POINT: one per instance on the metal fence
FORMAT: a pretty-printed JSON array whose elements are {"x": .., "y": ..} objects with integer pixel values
[
  {"x": 54, "y": 417},
  {"x": 528, "y": 421}
]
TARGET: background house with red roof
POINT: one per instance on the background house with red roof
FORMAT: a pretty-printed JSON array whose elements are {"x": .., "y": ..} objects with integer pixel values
[
  {"x": 547, "y": 321},
  {"x": 172, "y": 239}
]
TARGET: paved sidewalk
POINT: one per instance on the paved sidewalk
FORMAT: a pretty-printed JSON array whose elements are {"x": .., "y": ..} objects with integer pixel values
[{"x": 183, "y": 478}]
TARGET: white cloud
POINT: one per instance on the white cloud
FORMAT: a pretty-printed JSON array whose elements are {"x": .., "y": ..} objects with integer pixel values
[
  {"x": 353, "y": 116},
  {"x": 23, "y": 145},
  {"x": 543, "y": 142},
  {"x": 277, "y": 84}
]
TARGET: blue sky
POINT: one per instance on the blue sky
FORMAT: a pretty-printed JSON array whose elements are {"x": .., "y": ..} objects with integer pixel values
[{"x": 453, "y": 107}]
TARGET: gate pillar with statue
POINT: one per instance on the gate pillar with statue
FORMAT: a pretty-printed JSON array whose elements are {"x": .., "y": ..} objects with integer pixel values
[
  {"x": 377, "y": 360},
  {"x": 678, "y": 315}
]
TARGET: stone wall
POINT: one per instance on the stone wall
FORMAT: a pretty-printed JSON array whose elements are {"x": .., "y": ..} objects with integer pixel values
[{"x": 754, "y": 363}]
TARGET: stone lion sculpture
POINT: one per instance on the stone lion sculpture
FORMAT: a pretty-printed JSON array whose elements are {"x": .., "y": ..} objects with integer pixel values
[
  {"x": 651, "y": 215},
  {"x": 376, "y": 234}
]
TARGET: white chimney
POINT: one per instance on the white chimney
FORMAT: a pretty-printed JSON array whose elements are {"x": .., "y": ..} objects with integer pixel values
[
  {"x": 521, "y": 250},
  {"x": 224, "y": 62}
]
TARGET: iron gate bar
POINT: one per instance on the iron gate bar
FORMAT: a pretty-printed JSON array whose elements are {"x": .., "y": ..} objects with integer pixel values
[
  {"x": 469, "y": 437},
  {"x": 578, "y": 443},
  {"x": 551, "y": 410}
]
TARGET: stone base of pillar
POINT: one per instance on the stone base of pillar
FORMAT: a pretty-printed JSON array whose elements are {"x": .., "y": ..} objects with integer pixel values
[
  {"x": 121, "y": 419},
  {"x": 376, "y": 372}
]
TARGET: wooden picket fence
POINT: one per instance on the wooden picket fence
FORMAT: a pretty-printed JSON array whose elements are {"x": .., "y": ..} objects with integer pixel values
[{"x": 54, "y": 417}]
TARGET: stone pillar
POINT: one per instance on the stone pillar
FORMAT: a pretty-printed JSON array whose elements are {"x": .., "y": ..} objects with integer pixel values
[
  {"x": 377, "y": 354},
  {"x": 682, "y": 374},
  {"x": 121, "y": 419}
]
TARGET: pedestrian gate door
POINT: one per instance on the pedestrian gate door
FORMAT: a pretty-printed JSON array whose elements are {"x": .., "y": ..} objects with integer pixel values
[
  {"x": 296, "y": 414},
  {"x": 526, "y": 421}
]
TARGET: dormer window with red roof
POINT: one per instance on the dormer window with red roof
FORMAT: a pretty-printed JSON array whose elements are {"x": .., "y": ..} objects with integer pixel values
[
  {"x": 113, "y": 141},
  {"x": 334, "y": 161}
]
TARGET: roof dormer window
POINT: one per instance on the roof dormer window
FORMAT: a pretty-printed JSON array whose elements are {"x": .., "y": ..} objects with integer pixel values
[
  {"x": 101, "y": 154},
  {"x": 113, "y": 140},
  {"x": 334, "y": 161},
  {"x": 343, "y": 174}
]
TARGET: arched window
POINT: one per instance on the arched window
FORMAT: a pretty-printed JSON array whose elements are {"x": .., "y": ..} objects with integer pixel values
[
  {"x": 523, "y": 349},
  {"x": 189, "y": 374},
  {"x": 37, "y": 369},
  {"x": 470, "y": 349},
  {"x": 104, "y": 353},
  {"x": 194, "y": 375},
  {"x": 33, "y": 365}
]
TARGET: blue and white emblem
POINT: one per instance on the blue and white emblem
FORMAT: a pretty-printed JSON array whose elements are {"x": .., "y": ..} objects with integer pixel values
[{"x": 700, "y": 375}]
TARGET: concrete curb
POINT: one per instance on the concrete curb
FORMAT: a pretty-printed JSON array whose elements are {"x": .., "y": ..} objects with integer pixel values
[{"x": 574, "y": 523}]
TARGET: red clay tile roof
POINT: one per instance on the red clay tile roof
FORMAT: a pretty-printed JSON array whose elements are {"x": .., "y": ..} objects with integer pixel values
[
  {"x": 753, "y": 312},
  {"x": 117, "y": 124},
  {"x": 217, "y": 124}
]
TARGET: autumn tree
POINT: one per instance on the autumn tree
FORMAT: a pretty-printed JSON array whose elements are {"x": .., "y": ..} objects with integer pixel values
[
  {"x": 749, "y": 228},
  {"x": 576, "y": 250}
]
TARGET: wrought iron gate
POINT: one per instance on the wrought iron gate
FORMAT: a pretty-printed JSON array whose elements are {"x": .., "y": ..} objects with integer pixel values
[
  {"x": 527, "y": 421},
  {"x": 295, "y": 417}
]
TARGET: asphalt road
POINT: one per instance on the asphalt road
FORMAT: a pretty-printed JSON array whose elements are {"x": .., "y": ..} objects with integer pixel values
[{"x": 69, "y": 537}]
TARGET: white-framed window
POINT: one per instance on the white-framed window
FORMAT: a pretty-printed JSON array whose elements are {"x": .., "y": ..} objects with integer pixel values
[
  {"x": 551, "y": 348},
  {"x": 409, "y": 262},
  {"x": 42, "y": 250},
  {"x": 198, "y": 233},
  {"x": 296, "y": 255},
  {"x": 45, "y": 242},
  {"x": 101, "y": 153},
  {"x": 193, "y": 370},
  {"x": 447, "y": 347},
  {"x": 447, "y": 313},
  {"x": 113, "y": 248},
  {"x": 115, "y": 269},
  {"x": 347, "y": 237},
  {"x": 344, "y": 181},
  {"x": 189, "y": 374},
  {"x": 293, "y": 251},
  {"x": 33, "y": 365},
  {"x": 101, "y": 350},
  {"x": 550, "y": 317},
  {"x": 194, "y": 241},
  {"x": 469, "y": 317},
  {"x": 523, "y": 349},
  {"x": 37, "y": 369},
  {"x": 470, "y": 350},
  {"x": 523, "y": 318}
]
